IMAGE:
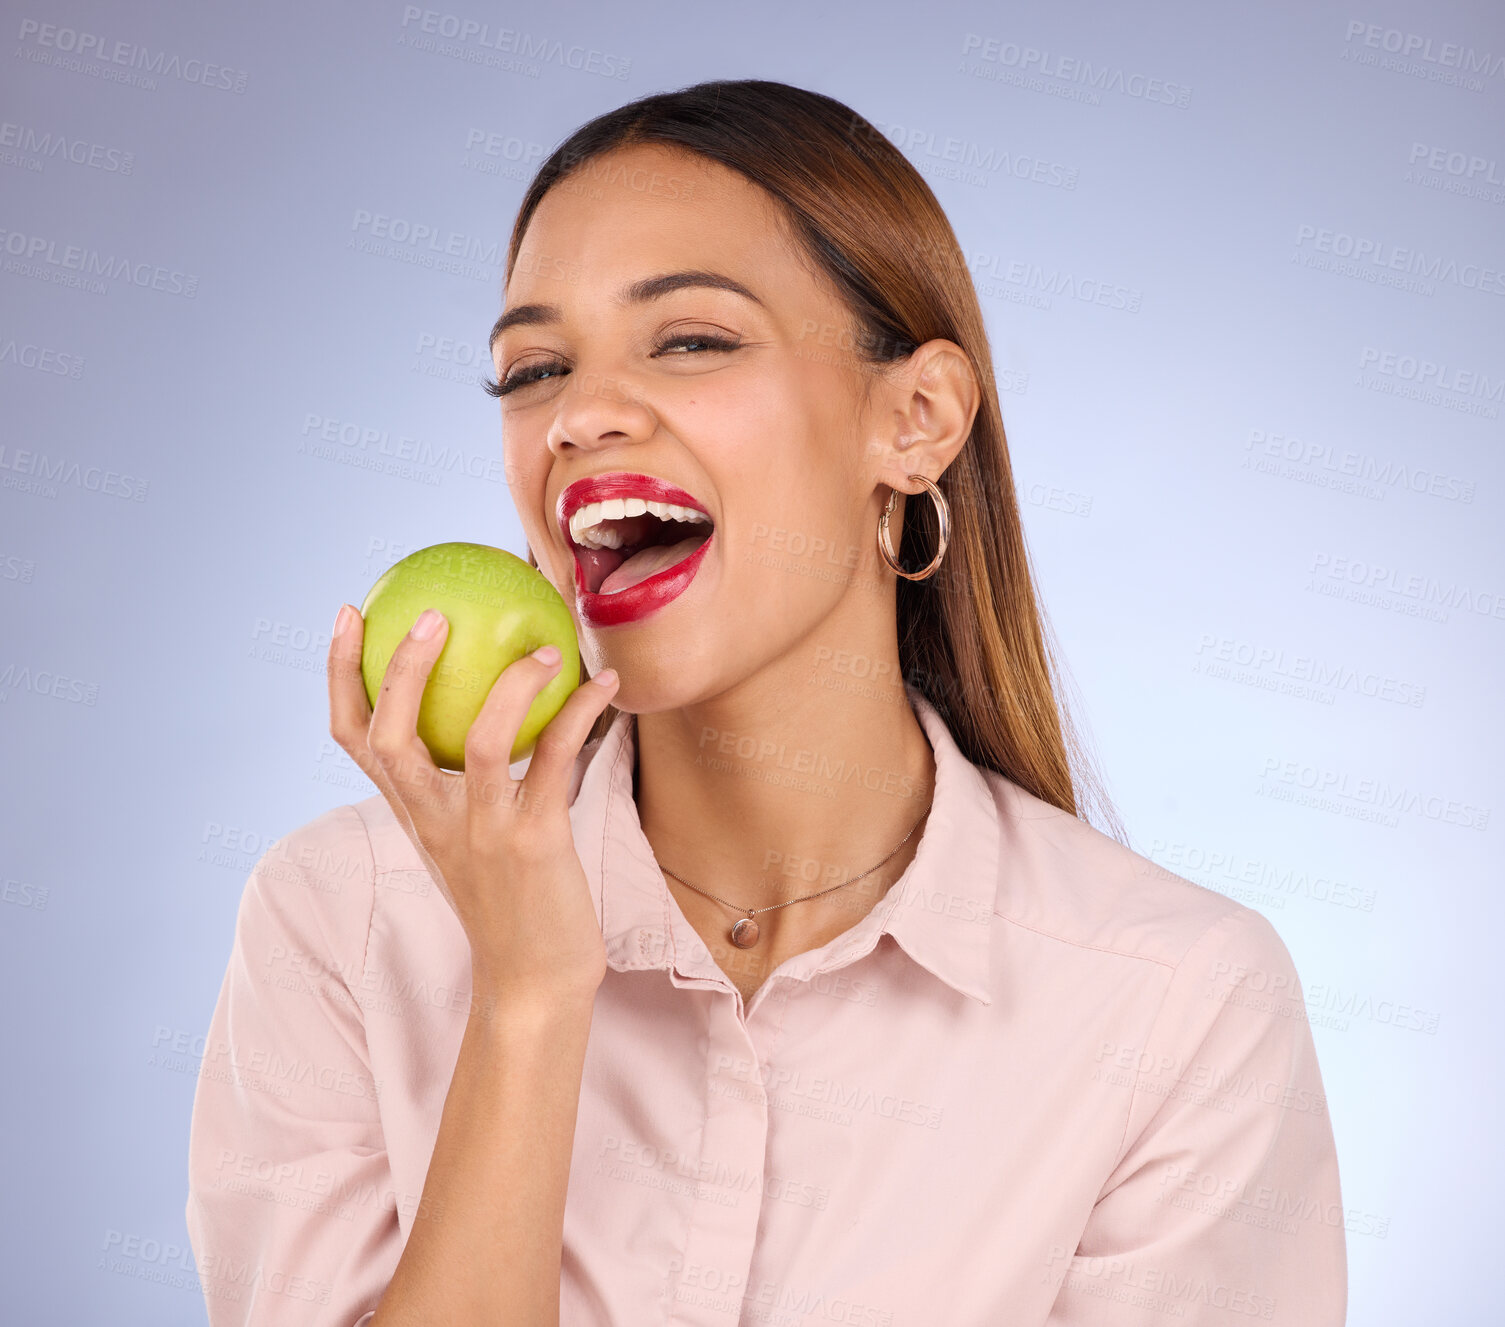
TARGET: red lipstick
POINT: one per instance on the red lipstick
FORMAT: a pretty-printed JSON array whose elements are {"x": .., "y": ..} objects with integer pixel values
[{"x": 654, "y": 592}]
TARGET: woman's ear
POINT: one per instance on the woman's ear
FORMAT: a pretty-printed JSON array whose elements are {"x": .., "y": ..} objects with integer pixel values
[{"x": 923, "y": 411}]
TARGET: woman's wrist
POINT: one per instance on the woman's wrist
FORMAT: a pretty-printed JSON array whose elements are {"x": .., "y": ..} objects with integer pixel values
[{"x": 509, "y": 1011}]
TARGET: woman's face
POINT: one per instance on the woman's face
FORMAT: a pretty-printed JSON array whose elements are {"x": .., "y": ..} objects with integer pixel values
[{"x": 751, "y": 406}]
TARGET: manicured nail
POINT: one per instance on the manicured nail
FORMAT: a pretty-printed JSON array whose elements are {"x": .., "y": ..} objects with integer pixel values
[
  {"x": 427, "y": 624},
  {"x": 343, "y": 620},
  {"x": 547, "y": 654},
  {"x": 606, "y": 677}
]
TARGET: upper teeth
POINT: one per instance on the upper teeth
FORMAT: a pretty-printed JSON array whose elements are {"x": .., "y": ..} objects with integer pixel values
[{"x": 586, "y": 526}]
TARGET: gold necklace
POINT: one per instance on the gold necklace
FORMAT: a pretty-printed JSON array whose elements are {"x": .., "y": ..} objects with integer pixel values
[{"x": 744, "y": 933}]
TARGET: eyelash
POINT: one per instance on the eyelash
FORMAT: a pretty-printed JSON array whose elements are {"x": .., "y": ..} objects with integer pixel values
[{"x": 511, "y": 383}]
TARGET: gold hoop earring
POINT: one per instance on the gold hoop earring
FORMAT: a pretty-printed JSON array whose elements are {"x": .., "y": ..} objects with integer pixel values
[{"x": 943, "y": 520}]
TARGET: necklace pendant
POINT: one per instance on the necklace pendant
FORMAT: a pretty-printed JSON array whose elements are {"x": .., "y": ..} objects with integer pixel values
[{"x": 745, "y": 933}]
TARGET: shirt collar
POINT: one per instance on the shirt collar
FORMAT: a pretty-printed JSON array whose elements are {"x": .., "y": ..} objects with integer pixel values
[{"x": 939, "y": 911}]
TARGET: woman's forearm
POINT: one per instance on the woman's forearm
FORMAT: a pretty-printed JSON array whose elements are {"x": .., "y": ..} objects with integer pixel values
[{"x": 486, "y": 1244}]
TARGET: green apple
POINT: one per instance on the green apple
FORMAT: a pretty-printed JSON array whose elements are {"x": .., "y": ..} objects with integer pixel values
[{"x": 499, "y": 609}]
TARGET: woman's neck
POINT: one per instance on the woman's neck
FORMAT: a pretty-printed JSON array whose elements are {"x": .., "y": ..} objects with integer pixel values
[{"x": 786, "y": 785}]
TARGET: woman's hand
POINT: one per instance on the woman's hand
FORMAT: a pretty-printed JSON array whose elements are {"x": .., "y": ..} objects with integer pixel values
[{"x": 500, "y": 849}]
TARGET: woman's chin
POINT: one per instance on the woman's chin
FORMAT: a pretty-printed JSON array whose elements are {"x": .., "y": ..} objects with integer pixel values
[
  {"x": 645, "y": 697},
  {"x": 644, "y": 688}
]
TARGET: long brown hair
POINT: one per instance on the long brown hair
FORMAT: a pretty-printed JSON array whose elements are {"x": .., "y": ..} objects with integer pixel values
[{"x": 972, "y": 638}]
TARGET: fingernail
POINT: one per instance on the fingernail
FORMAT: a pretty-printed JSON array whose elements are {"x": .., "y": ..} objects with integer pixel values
[
  {"x": 606, "y": 677},
  {"x": 427, "y": 624},
  {"x": 547, "y": 654},
  {"x": 343, "y": 620}
]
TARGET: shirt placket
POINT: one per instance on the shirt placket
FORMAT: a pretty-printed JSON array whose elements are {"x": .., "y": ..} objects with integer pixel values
[{"x": 709, "y": 1287}]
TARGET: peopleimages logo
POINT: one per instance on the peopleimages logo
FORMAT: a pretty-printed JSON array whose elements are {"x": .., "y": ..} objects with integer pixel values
[
  {"x": 367, "y": 447},
  {"x": 1407, "y": 46},
  {"x": 1228, "y": 870},
  {"x": 478, "y": 42},
  {"x": 1371, "y": 259},
  {"x": 1028, "y": 60},
  {"x": 1370, "y": 582},
  {"x": 42, "y": 359},
  {"x": 46, "y": 43},
  {"x": 1028, "y": 282},
  {"x": 47, "y": 145},
  {"x": 1340, "y": 785},
  {"x": 972, "y": 159},
  {"x": 41, "y": 474},
  {"x": 1281, "y": 665},
  {"x": 1319, "y": 462},
  {"x": 425, "y": 245},
  {"x": 73, "y": 264},
  {"x": 1424, "y": 378},
  {"x": 1466, "y": 165}
]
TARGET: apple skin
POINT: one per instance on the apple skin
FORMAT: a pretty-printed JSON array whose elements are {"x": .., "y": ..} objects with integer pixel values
[{"x": 499, "y": 609}]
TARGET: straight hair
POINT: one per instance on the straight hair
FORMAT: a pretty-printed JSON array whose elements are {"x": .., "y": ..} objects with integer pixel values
[{"x": 973, "y": 638}]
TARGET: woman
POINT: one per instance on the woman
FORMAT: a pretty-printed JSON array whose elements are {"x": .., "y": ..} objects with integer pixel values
[{"x": 788, "y": 984}]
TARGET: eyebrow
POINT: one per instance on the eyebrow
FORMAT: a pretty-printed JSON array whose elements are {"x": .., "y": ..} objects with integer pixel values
[{"x": 636, "y": 292}]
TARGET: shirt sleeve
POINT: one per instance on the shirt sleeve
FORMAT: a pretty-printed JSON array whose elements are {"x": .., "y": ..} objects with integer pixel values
[
  {"x": 1224, "y": 1206},
  {"x": 290, "y": 1207}
]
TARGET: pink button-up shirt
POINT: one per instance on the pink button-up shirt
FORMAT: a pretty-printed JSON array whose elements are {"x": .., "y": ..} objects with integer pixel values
[{"x": 1042, "y": 1081}]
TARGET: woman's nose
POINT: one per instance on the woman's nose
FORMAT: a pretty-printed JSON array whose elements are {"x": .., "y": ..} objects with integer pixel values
[{"x": 597, "y": 410}]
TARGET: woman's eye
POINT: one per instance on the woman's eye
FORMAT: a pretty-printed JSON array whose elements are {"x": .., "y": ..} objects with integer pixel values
[
  {"x": 522, "y": 377},
  {"x": 542, "y": 369},
  {"x": 697, "y": 338}
]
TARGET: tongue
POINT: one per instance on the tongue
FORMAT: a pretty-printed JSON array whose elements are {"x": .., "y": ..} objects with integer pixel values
[{"x": 646, "y": 561}]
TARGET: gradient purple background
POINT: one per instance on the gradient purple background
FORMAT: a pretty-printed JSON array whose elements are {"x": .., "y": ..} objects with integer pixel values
[{"x": 162, "y": 703}]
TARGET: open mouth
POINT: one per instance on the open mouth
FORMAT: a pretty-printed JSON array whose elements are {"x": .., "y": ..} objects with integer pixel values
[
  {"x": 621, "y": 542},
  {"x": 637, "y": 541}
]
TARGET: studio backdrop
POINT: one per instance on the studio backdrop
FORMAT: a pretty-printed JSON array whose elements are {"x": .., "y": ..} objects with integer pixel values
[{"x": 1244, "y": 274}]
